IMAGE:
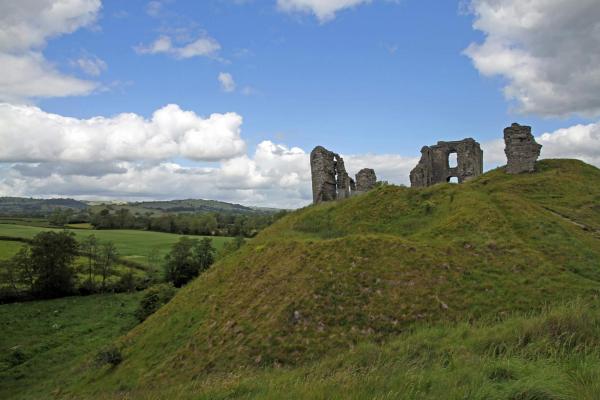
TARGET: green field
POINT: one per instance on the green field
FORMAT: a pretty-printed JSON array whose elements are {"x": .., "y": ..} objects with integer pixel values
[
  {"x": 132, "y": 244},
  {"x": 9, "y": 248},
  {"x": 43, "y": 343}
]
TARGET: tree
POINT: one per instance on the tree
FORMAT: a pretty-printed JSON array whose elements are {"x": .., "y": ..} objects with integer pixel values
[
  {"x": 21, "y": 269},
  {"x": 204, "y": 254},
  {"x": 153, "y": 258},
  {"x": 187, "y": 259},
  {"x": 60, "y": 217},
  {"x": 180, "y": 267},
  {"x": 89, "y": 247},
  {"x": 51, "y": 262},
  {"x": 107, "y": 258}
]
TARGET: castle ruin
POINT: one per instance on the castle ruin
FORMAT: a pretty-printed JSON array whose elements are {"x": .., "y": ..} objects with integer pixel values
[
  {"x": 365, "y": 180},
  {"x": 521, "y": 149},
  {"x": 330, "y": 180},
  {"x": 434, "y": 166}
]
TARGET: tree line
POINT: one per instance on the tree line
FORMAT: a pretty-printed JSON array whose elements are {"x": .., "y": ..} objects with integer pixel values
[
  {"x": 206, "y": 224},
  {"x": 47, "y": 266}
]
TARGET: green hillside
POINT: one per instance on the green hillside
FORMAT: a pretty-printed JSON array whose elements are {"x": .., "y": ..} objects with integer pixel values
[{"x": 369, "y": 269}]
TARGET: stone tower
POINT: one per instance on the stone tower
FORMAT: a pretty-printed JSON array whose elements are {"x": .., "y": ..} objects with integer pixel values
[{"x": 521, "y": 149}]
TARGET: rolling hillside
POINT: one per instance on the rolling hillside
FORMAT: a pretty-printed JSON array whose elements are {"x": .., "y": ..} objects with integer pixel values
[{"x": 327, "y": 278}]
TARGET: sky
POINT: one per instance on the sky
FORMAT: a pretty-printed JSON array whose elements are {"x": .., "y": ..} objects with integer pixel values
[{"x": 225, "y": 99}]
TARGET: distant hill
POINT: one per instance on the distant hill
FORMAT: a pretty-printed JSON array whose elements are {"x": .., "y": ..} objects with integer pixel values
[
  {"x": 22, "y": 206},
  {"x": 327, "y": 278},
  {"x": 183, "y": 206},
  {"x": 17, "y": 206}
]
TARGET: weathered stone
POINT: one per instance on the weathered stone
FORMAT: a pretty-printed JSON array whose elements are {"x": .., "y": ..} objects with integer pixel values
[
  {"x": 521, "y": 149},
  {"x": 330, "y": 180},
  {"x": 343, "y": 179},
  {"x": 323, "y": 167},
  {"x": 365, "y": 180},
  {"x": 434, "y": 166}
]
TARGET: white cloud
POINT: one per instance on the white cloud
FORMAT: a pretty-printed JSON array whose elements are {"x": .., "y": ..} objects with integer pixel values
[
  {"x": 276, "y": 176},
  {"x": 28, "y": 134},
  {"x": 581, "y": 142},
  {"x": 324, "y": 10},
  {"x": 578, "y": 141},
  {"x": 25, "y": 26},
  {"x": 393, "y": 168},
  {"x": 128, "y": 156},
  {"x": 91, "y": 65},
  {"x": 547, "y": 50},
  {"x": 203, "y": 46},
  {"x": 226, "y": 81}
]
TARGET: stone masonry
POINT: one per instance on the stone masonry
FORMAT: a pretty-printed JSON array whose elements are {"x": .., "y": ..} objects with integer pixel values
[
  {"x": 330, "y": 180},
  {"x": 521, "y": 149},
  {"x": 434, "y": 165},
  {"x": 323, "y": 171},
  {"x": 365, "y": 180}
]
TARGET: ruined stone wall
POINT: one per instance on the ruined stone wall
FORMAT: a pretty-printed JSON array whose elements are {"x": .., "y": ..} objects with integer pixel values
[
  {"x": 365, "y": 180},
  {"x": 330, "y": 180},
  {"x": 434, "y": 167},
  {"x": 323, "y": 167},
  {"x": 521, "y": 149}
]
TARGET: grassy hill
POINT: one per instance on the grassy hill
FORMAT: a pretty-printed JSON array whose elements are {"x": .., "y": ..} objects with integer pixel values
[
  {"x": 310, "y": 293},
  {"x": 44, "y": 343}
]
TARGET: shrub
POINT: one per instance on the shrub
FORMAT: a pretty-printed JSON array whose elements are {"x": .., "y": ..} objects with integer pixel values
[
  {"x": 15, "y": 356},
  {"x": 155, "y": 297},
  {"x": 111, "y": 355}
]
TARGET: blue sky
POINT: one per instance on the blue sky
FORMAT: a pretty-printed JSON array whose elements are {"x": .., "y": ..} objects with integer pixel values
[
  {"x": 378, "y": 78},
  {"x": 363, "y": 78}
]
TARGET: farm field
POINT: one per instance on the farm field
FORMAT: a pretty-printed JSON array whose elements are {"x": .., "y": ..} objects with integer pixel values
[
  {"x": 132, "y": 244},
  {"x": 9, "y": 248}
]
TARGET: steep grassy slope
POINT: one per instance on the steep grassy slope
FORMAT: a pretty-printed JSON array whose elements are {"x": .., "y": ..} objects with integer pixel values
[
  {"x": 330, "y": 277},
  {"x": 553, "y": 355},
  {"x": 43, "y": 343}
]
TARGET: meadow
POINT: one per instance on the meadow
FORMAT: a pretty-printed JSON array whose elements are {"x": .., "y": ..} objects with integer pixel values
[{"x": 135, "y": 245}]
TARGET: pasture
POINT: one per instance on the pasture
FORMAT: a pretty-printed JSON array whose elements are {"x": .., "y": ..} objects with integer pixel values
[{"x": 132, "y": 244}]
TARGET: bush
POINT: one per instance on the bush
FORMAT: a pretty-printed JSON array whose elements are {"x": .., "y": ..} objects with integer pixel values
[
  {"x": 16, "y": 356},
  {"x": 111, "y": 355},
  {"x": 154, "y": 298}
]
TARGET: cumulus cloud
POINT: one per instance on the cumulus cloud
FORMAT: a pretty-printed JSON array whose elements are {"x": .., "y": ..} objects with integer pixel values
[
  {"x": 204, "y": 46},
  {"x": 578, "y": 141},
  {"x": 393, "y": 168},
  {"x": 226, "y": 81},
  {"x": 25, "y": 26},
  {"x": 324, "y": 10},
  {"x": 547, "y": 50},
  {"x": 275, "y": 175},
  {"x": 172, "y": 154},
  {"x": 28, "y": 134},
  {"x": 581, "y": 142}
]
